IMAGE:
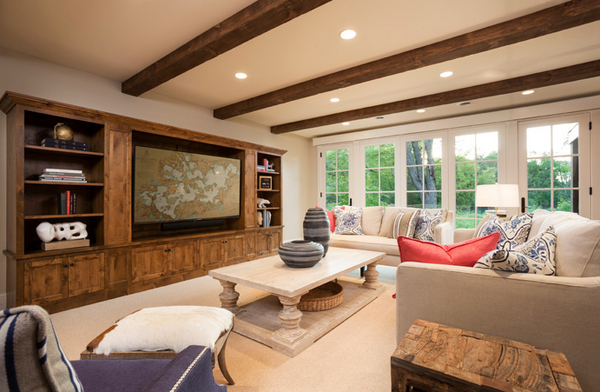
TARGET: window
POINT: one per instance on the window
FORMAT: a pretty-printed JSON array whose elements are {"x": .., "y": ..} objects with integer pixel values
[
  {"x": 337, "y": 169},
  {"x": 475, "y": 163},
  {"x": 424, "y": 173},
  {"x": 379, "y": 175}
]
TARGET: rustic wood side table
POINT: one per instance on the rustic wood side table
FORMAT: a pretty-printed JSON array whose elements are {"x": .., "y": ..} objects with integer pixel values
[{"x": 435, "y": 357}]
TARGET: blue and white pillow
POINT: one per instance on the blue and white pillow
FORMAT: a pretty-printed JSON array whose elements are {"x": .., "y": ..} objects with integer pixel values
[
  {"x": 348, "y": 221},
  {"x": 424, "y": 230},
  {"x": 512, "y": 233},
  {"x": 536, "y": 256}
]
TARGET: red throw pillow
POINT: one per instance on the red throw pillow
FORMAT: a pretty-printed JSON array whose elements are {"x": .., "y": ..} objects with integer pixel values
[
  {"x": 331, "y": 217},
  {"x": 464, "y": 253}
]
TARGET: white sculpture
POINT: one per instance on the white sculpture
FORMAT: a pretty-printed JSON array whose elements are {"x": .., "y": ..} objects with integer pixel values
[
  {"x": 262, "y": 203},
  {"x": 69, "y": 231}
]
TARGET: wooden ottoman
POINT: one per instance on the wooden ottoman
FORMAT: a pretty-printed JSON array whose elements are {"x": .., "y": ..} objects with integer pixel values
[
  {"x": 217, "y": 355},
  {"x": 435, "y": 357}
]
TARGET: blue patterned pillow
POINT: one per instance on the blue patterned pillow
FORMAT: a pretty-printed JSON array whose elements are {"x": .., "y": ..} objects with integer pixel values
[
  {"x": 512, "y": 233},
  {"x": 536, "y": 256},
  {"x": 348, "y": 221},
  {"x": 427, "y": 223}
]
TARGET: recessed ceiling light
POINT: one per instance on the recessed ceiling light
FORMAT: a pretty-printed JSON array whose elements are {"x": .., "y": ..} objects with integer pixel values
[
  {"x": 446, "y": 74},
  {"x": 345, "y": 123},
  {"x": 241, "y": 75},
  {"x": 421, "y": 111},
  {"x": 464, "y": 103},
  {"x": 334, "y": 100},
  {"x": 528, "y": 92},
  {"x": 348, "y": 34},
  {"x": 379, "y": 118}
]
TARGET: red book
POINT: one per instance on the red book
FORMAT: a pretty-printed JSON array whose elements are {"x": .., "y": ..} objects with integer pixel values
[
  {"x": 68, "y": 202},
  {"x": 266, "y": 163}
]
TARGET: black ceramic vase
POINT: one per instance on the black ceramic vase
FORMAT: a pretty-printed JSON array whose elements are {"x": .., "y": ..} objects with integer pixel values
[
  {"x": 301, "y": 254},
  {"x": 316, "y": 227}
]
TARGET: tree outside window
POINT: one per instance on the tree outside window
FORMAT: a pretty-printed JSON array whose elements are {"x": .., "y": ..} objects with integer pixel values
[
  {"x": 336, "y": 178},
  {"x": 424, "y": 173},
  {"x": 380, "y": 181}
]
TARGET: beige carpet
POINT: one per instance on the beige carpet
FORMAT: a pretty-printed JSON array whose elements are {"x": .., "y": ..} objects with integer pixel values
[{"x": 355, "y": 356}]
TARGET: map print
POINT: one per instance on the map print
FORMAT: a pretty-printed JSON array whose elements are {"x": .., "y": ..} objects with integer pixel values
[{"x": 174, "y": 185}]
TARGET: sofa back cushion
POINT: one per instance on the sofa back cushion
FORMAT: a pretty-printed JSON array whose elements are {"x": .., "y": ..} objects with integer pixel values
[
  {"x": 387, "y": 222},
  {"x": 371, "y": 220},
  {"x": 577, "y": 242}
]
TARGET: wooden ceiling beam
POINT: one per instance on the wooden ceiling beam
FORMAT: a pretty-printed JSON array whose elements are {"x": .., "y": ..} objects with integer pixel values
[
  {"x": 254, "y": 20},
  {"x": 542, "y": 79},
  {"x": 561, "y": 17}
]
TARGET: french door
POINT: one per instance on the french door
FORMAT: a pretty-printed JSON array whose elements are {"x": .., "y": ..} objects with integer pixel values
[{"x": 335, "y": 168}]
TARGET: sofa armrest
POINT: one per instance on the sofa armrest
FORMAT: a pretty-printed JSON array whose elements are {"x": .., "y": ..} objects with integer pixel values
[
  {"x": 190, "y": 370},
  {"x": 443, "y": 233},
  {"x": 461, "y": 235},
  {"x": 555, "y": 313}
]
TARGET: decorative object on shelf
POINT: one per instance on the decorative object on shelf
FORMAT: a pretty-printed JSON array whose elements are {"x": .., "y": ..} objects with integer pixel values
[
  {"x": 325, "y": 297},
  {"x": 265, "y": 182},
  {"x": 63, "y": 132},
  {"x": 316, "y": 227},
  {"x": 259, "y": 218},
  {"x": 260, "y": 168},
  {"x": 61, "y": 231},
  {"x": 301, "y": 254},
  {"x": 262, "y": 203},
  {"x": 266, "y": 218},
  {"x": 271, "y": 167}
]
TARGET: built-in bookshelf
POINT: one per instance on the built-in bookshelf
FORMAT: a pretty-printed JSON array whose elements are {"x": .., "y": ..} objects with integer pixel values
[{"x": 268, "y": 182}]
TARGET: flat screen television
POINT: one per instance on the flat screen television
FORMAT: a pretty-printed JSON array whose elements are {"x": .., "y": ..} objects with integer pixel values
[{"x": 176, "y": 186}]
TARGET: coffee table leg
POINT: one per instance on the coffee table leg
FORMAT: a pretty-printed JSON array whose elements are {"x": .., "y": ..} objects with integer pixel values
[
  {"x": 371, "y": 275},
  {"x": 290, "y": 316},
  {"x": 229, "y": 296}
]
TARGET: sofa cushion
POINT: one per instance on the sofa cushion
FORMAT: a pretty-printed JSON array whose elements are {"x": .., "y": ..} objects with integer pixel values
[
  {"x": 463, "y": 253},
  {"x": 348, "y": 221},
  {"x": 331, "y": 217},
  {"x": 428, "y": 220},
  {"x": 405, "y": 223},
  {"x": 365, "y": 242},
  {"x": 387, "y": 221},
  {"x": 371, "y": 220},
  {"x": 536, "y": 256},
  {"x": 513, "y": 233}
]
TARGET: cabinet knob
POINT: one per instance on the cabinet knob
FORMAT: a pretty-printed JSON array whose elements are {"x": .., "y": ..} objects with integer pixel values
[
  {"x": 224, "y": 241},
  {"x": 72, "y": 264},
  {"x": 65, "y": 265},
  {"x": 168, "y": 250}
]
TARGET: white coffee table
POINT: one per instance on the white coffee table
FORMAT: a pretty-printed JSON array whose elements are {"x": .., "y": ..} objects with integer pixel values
[{"x": 287, "y": 329}]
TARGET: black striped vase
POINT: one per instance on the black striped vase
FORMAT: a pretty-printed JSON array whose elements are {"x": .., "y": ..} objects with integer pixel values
[{"x": 316, "y": 227}]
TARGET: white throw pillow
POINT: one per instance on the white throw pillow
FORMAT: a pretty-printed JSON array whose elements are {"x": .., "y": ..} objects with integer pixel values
[
  {"x": 348, "y": 221},
  {"x": 371, "y": 220},
  {"x": 427, "y": 223},
  {"x": 512, "y": 233},
  {"x": 536, "y": 256}
]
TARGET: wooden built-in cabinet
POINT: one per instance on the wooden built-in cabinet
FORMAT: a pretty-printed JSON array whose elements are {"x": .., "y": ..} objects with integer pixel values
[{"x": 122, "y": 257}]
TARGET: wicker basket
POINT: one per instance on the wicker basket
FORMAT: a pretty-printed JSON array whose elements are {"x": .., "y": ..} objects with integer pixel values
[{"x": 324, "y": 297}]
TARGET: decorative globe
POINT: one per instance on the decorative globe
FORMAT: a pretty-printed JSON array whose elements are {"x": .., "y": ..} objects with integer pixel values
[{"x": 301, "y": 254}]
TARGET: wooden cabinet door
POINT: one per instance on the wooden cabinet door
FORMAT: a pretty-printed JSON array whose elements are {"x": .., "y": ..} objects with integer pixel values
[
  {"x": 235, "y": 249},
  {"x": 86, "y": 274},
  {"x": 274, "y": 241},
  {"x": 262, "y": 243},
  {"x": 46, "y": 281},
  {"x": 149, "y": 262},
  {"x": 211, "y": 253},
  {"x": 183, "y": 256}
]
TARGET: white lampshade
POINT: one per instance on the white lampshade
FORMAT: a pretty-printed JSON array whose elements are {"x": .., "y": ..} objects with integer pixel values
[{"x": 497, "y": 195}]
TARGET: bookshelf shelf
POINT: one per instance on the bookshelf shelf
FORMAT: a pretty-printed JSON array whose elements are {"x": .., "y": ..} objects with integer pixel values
[
  {"x": 35, "y": 182},
  {"x": 62, "y": 151},
  {"x": 43, "y": 217}
]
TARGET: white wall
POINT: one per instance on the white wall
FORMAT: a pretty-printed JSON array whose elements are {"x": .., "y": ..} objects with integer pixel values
[{"x": 28, "y": 75}]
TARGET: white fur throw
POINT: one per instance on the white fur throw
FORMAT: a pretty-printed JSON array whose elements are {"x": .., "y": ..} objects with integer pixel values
[{"x": 168, "y": 327}]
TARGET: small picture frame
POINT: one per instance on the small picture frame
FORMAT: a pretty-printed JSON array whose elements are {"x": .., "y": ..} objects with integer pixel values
[{"x": 265, "y": 182}]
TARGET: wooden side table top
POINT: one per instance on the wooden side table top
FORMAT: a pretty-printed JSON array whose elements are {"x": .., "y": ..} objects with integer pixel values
[{"x": 433, "y": 356}]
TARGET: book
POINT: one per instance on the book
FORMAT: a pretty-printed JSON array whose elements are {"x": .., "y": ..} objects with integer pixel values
[
  {"x": 59, "y": 174},
  {"x": 61, "y": 179},
  {"x": 46, "y": 170},
  {"x": 49, "y": 142},
  {"x": 73, "y": 203},
  {"x": 62, "y": 203},
  {"x": 265, "y": 163},
  {"x": 68, "y": 202},
  {"x": 64, "y": 147}
]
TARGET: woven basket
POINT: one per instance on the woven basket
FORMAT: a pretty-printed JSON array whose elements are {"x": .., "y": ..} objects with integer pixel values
[{"x": 324, "y": 297}]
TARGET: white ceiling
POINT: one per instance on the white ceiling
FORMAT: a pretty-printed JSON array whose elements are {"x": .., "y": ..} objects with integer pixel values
[{"x": 118, "y": 38}]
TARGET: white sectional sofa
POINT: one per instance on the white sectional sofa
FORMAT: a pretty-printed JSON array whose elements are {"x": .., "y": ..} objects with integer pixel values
[
  {"x": 559, "y": 313},
  {"x": 377, "y": 224}
]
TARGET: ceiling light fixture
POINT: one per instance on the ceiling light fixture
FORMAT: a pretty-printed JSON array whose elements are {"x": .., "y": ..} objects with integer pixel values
[
  {"x": 528, "y": 92},
  {"x": 241, "y": 75},
  {"x": 421, "y": 111},
  {"x": 379, "y": 118},
  {"x": 446, "y": 74},
  {"x": 334, "y": 100},
  {"x": 345, "y": 123},
  {"x": 348, "y": 34}
]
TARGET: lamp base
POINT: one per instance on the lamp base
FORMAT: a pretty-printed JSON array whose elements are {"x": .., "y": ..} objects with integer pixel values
[{"x": 500, "y": 213}]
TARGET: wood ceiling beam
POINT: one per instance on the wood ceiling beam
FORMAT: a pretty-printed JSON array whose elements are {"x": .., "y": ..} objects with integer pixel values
[
  {"x": 522, "y": 83},
  {"x": 254, "y": 20},
  {"x": 561, "y": 17}
]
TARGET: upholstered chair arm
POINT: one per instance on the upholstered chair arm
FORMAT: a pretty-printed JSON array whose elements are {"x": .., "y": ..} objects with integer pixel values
[
  {"x": 556, "y": 313},
  {"x": 461, "y": 235},
  {"x": 443, "y": 233}
]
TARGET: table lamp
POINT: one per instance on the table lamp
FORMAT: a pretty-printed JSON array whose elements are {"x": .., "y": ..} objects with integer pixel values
[{"x": 497, "y": 195}]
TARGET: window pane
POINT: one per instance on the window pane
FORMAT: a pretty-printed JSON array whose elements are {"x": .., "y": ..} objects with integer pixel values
[
  {"x": 487, "y": 146},
  {"x": 414, "y": 153},
  {"x": 413, "y": 200},
  {"x": 387, "y": 155},
  {"x": 565, "y": 138},
  {"x": 388, "y": 182},
  {"x": 342, "y": 159},
  {"x": 433, "y": 178},
  {"x": 330, "y": 200},
  {"x": 465, "y": 176},
  {"x": 433, "y": 200},
  {"x": 372, "y": 180},
  {"x": 465, "y": 204},
  {"x": 330, "y": 182},
  {"x": 388, "y": 199},
  {"x": 538, "y": 173},
  {"x": 465, "y": 223},
  {"x": 464, "y": 148},
  {"x": 414, "y": 181},
  {"x": 563, "y": 200},
  {"x": 343, "y": 181},
  {"x": 371, "y": 156},
  {"x": 343, "y": 199},
  {"x": 487, "y": 173},
  {"x": 330, "y": 161},
  {"x": 539, "y": 200},
  {"x": 434, "y": 155},
  {"x": 481, "y": 212},
  {"x": 563, "y": 173},
  {"x": 372, "y": 199},
  {"x": 538, "y": 141}
]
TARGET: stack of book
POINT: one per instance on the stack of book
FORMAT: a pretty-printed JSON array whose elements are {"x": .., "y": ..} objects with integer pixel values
[
  {"x": 65, "y": 144},
  {"x": 66, "y": 175},
  {"x": 67, "y": 203}
]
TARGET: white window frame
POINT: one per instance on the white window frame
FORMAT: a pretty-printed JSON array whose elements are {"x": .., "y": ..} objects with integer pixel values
[
  {"x": 321, "y": 177},
  {"x": 362, "y": 169}
]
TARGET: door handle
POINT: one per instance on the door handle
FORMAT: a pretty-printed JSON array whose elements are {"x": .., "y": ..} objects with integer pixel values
[{"x": 523, "y": 208}]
